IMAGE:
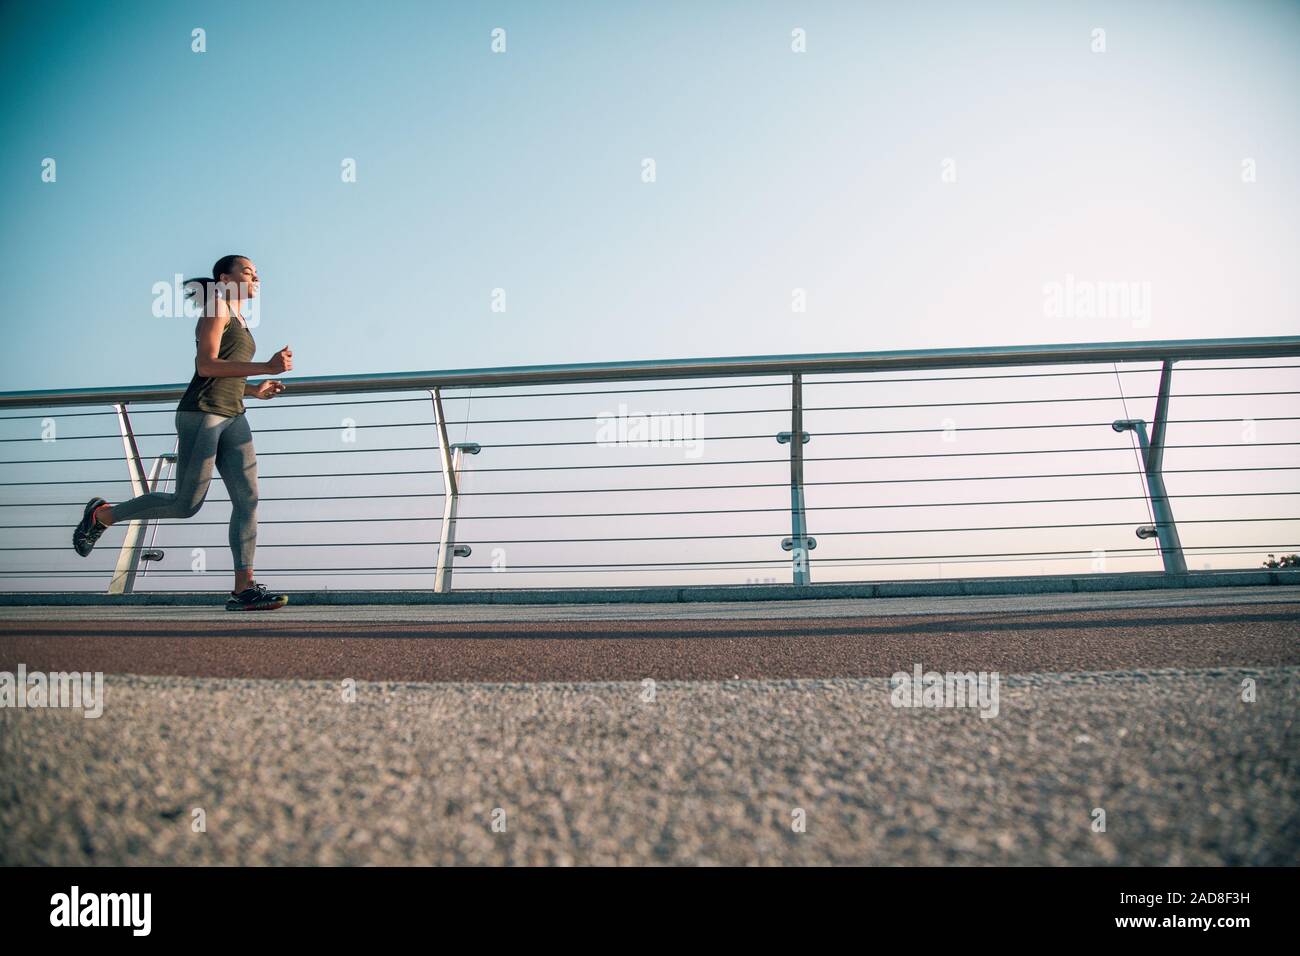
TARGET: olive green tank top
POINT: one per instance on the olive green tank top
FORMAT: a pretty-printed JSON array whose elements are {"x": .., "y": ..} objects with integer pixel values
[{"x": 222, "y": 396}]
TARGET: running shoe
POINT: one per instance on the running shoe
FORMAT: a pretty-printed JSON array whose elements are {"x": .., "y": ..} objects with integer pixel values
[
  {"x": 87, "y": 533},
  {"x": 255, "y": 598}
]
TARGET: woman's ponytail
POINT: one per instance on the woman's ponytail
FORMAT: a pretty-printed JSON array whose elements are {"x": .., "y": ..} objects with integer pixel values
[{"x": 203, "y": 290}]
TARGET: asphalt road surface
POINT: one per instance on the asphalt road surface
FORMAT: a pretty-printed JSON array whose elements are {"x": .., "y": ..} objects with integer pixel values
[{"x": 732, "y": 734}]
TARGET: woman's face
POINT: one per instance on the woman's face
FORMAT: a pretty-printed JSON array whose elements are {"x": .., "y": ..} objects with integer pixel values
[{"x": 244, "y": 279}]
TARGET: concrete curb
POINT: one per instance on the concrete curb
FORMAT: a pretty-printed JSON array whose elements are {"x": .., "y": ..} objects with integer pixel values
[{"x": 1033, "y": 584}]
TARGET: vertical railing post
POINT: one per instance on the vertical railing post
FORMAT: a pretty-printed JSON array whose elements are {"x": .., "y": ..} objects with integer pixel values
[
  {"x": 798, "y": 544},
  {"x": 452, "y": 455},
  {"x": 128, "y": 558},
  {"x": 1153, "y": 453},
  {"x": 156, "y": 481}
]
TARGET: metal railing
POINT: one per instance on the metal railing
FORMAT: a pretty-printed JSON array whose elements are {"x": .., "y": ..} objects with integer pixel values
[{"x": 792, "y": 424}]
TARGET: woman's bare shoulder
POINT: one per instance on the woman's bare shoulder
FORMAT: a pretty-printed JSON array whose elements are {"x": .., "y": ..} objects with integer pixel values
[{"x": 207, "y": 323}]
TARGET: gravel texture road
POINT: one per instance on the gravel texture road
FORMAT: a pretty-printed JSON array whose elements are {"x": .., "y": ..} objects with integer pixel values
[
  {"x": 558, "y": 736},
  {"x": 289, "y": 772}
]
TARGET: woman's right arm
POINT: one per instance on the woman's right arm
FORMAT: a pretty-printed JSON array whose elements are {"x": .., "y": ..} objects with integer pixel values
[{"x": 208, "y": 365}]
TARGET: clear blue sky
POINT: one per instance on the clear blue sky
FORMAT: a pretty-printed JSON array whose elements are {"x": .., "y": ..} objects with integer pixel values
[
  {"x": 522, "y": 171},
  {"x": 776, "y": 171}
]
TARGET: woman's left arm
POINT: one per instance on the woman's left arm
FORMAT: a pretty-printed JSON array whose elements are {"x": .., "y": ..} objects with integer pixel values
[{"x": 268, "y": 389}]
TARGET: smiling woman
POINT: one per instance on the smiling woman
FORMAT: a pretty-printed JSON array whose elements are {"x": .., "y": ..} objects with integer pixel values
[{"x": 212, "y": 430}]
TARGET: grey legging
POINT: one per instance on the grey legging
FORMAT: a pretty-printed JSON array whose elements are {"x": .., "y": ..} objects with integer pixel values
[{"x": 205, "y": 439}]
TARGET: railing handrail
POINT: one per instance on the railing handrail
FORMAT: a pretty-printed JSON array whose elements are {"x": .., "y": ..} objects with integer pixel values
[{"x": 903, "y": 360}]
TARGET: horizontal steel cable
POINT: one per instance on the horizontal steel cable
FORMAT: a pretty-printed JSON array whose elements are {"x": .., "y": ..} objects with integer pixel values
[
  {"x": 708, "y": 511},
  {"x": 659, "y": 464},
  {"x": 761, "y": 461},
  {"x": 512, "y": 421},
  {"x": 710, "y": 537},
  {"x": 1151, "y": 550},
  {"x": 778, "y": 484}
]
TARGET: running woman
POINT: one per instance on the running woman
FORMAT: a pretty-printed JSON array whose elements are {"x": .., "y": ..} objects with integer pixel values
[{"x": 212, "y": 430}]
